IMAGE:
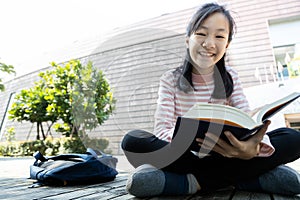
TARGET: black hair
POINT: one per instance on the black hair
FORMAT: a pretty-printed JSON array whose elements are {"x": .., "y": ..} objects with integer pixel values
[{"x": 223, "y": 80}]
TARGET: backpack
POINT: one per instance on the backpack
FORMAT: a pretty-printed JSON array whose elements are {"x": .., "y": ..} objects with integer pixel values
[{"x": 73, "y": 169}]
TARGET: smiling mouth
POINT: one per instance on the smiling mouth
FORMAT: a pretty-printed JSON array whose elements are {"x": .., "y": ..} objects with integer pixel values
[{"x": 206, "y": 54}]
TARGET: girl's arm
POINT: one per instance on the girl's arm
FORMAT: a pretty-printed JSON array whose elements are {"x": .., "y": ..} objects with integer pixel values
[{"x": 165, "y": 112}]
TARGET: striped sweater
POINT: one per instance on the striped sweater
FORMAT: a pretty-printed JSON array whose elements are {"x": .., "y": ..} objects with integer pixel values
[{"x": 173, "y": 102}]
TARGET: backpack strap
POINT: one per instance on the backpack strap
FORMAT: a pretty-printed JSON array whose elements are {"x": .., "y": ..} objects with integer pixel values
[
  {"x": 94, "y": 152},
  {"x": 106, "y": 159},
  {"x": 38, "y": 157}
]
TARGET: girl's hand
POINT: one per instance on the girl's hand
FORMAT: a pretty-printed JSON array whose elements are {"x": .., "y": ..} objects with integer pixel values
[{"x": 236, "y": 149}]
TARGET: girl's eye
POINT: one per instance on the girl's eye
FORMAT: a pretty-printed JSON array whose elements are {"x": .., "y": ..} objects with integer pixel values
[
  {"x": 201, "y": 34},
  {"x": 220, "y": 36}
]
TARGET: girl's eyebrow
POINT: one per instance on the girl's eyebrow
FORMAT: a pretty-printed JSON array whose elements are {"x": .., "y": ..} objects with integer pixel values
[{"x": 206, "y": 28}]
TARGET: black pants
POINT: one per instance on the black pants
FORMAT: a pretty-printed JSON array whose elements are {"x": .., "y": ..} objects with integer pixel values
[{"x": 214, "y": 171}]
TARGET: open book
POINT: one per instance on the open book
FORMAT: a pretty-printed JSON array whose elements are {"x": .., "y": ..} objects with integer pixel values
[{"x": 215, "y": 118}]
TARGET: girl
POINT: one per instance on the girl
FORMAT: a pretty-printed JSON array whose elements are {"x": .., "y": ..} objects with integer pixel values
[{"x": 254, "y": 165}]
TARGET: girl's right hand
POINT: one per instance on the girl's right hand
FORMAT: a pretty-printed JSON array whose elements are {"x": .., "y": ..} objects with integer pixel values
[{"x": 235, "y": 149}]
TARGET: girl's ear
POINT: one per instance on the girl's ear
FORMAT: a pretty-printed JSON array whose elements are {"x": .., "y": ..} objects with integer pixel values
[{"x": 187, "y": 40}]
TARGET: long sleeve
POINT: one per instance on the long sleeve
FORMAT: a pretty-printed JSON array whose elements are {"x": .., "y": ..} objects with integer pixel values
[
  {"x": 266, "y": 148},
  {"x": 165, "y": 113},
  {"x": 238, "y": 98}
]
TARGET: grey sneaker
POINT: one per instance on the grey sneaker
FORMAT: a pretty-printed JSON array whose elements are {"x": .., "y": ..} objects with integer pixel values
[{"x": 145, "y": 181}]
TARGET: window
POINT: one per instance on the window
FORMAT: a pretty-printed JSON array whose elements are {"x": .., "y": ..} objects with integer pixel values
[
  {"x": 284, "y": 36},
  {"x": 292, "y": 120},
  {"x": 287, "y": 61}
]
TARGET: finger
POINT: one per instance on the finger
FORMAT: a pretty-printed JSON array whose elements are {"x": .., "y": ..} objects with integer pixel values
[
  {"x": 209, "y": 144},
  {"x": 206, "y": 139},
  {"x": 220, "y": 150},
  {"x": 218, "y": 145},
  {"x": 261, "y": 132},
  {"x": 216, "y": 139},
  {"x": 216, "y": 148},
  {"x": 211, "y": 136},
  {"x": 199, "y": 140},
  {"x": 232, "y": 139}
]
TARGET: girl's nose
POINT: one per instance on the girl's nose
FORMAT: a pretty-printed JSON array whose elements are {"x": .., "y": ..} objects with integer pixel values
[{"x": 209, "y": 43}]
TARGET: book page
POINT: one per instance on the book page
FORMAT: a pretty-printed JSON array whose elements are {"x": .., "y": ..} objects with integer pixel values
[
  {"x": 271, "y": 109},
  {"x": 221, "y": 113},
  {"x": 255, "y": 111}
]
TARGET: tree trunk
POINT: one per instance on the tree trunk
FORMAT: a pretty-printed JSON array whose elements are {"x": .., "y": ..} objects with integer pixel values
[
  {"x": 49, "y": 129},
  {"x": 43, "y": 134},
  {"x": 38, "y": 131},
  {"x": 74, "y": 131}
]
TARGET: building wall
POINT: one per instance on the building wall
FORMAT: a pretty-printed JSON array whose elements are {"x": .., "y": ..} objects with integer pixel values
[{"x": 134, "y": 57}]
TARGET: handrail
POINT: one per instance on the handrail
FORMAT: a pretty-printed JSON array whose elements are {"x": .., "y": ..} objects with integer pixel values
[{"x": 5, "y": 113}]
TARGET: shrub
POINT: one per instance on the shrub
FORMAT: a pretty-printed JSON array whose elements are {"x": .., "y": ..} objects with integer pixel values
[{"x": 51, "y": 146}]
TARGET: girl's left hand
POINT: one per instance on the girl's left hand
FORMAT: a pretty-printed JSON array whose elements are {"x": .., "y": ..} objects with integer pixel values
[{"x": 236, "y": 149}]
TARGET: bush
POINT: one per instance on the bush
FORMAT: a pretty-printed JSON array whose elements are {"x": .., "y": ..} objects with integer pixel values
[{"x": 51, "y": 146}]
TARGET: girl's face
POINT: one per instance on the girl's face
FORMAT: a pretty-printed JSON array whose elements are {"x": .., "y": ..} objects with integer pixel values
[{"x": 208, "y": 43}]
